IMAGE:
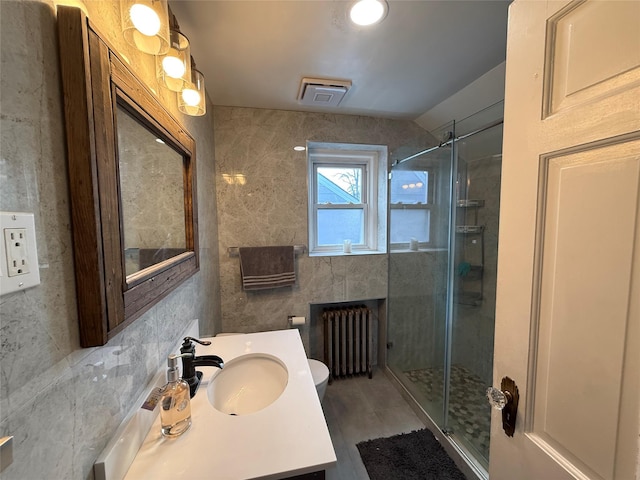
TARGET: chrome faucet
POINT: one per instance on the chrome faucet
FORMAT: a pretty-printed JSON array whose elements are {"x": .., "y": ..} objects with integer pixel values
[{"x": 190, "y": 362}]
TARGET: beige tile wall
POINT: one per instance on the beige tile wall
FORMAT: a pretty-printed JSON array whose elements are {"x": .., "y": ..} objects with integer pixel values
[{"x": 271, "y": 209}]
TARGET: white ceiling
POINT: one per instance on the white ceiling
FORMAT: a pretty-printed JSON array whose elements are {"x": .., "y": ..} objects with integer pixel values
[{"x": 254, "y": 53}]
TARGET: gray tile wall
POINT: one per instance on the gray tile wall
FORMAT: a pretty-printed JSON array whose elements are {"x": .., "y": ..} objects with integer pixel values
[
  {"x": 271, "y": 209},
  {"x": 61, "y": 402},
  {"x": 473, "y": 327},
  {"x": 417, "y": 305}
]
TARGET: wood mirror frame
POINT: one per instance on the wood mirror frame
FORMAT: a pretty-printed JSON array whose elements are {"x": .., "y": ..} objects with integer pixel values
[{"x": 95, "y": 80}]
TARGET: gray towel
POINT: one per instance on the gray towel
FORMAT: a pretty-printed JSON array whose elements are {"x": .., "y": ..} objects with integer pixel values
[{"x": 267, "y": 267}]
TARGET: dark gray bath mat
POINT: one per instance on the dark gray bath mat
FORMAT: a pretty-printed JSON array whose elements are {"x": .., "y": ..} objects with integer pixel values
[{"x": 408, "y": 456}]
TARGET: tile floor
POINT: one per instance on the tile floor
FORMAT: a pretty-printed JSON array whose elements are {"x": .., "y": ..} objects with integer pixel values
[
  {"x": 358, "y": 409},
  {"x": 469, "y": 411}
]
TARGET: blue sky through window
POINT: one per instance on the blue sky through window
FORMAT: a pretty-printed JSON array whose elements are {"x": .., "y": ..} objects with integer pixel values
[{"x": 340, "y": 186}]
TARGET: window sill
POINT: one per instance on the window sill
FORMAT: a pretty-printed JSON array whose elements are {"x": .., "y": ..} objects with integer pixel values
[
  {"x": 428, "y": 249},
  {"x": 354, "y": 253}
]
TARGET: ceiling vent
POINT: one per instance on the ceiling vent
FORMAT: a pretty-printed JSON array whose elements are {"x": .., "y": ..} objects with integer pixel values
[{"x": 319, "y": 92}]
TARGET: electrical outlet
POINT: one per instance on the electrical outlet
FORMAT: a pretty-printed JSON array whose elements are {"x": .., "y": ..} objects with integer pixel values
[
  {"x": 18, "y": 254},
  {"x": 15, "y": 242}
]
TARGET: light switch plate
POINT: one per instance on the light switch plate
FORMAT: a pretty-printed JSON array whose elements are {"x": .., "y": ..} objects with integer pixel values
[{"x": 18, "y": 252}]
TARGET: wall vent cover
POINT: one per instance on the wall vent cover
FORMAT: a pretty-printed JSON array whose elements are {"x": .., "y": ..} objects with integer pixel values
[{"x": 322, "y": 92}]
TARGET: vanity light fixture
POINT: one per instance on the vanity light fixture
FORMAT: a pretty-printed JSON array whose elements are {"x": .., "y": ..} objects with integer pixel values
[
  {"x": 368, "y": 12},
  {"x": 192, "y": 100},
  {"x": 145, "y": 25},
  {"x": 174, "y": 67}
]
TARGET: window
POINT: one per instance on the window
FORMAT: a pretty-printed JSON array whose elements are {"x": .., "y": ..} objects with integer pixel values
[
  {"x": 411, "y": 201},
  {"x": 345, "y": 187}
]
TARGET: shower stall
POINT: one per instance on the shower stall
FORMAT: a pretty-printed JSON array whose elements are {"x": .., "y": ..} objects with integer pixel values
[{"x": 443, "y": 243}]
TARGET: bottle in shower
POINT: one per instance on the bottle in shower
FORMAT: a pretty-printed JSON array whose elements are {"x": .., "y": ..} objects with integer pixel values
[{"x": 175, "y": 402}]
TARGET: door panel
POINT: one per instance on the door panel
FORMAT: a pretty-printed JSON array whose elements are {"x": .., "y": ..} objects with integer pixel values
[
  {"x": 568, "y": 308},
  {"x": 574, "y": 50},
  {"x": 591, "y": 216}
]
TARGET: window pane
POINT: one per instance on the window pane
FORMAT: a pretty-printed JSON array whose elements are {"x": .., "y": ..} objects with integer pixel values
[
  {"x": 337, "y": 225},
  {"x": 409, "y": 223},
  {"x": 409, "y": 187},
  {"x": 339, "y": 185}
]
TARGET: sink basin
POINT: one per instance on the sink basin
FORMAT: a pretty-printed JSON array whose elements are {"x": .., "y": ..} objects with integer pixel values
[{"x": 247, "y": 384}]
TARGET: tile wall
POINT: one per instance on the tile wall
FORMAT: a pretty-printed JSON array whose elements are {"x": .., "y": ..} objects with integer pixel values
[
  {"x": 270, "y": 208},
  {"x": 62, "y": 403},
  {"x": 473, "y": 327},
  {"x": 417, "y": 306}
]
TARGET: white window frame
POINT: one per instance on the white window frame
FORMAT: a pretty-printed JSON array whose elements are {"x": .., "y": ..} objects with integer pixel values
[
  {"x": 373, "y": 159},
  {"x": 429, "y": 206}
]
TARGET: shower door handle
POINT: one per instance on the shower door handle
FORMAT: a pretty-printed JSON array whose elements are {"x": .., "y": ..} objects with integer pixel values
[{"x": 505, "y": 399}]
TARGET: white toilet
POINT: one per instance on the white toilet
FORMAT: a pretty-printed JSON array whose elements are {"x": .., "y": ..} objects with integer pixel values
[
  {"x": 319, "y": 371},
  {"x": 320, "y": 374}
]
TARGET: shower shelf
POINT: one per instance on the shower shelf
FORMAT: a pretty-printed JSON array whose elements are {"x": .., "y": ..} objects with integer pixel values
[
  {"x": 472, "y": 299},
  {"x": 469, "y": 228},
  {"x": 471, "y": 282},
  {"x": 475, "y": 271},
  {"x": 470, "y": 203}
]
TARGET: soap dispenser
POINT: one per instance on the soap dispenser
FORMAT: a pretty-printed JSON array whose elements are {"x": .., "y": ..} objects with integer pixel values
[{"x": 175, "y": 412}]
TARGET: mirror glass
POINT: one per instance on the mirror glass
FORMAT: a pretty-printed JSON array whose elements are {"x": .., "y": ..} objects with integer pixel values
[{"x": 152, "y": 195}]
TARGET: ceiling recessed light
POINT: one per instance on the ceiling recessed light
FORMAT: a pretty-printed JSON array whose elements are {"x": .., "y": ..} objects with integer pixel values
[
  {"x": 368, "y": 12},
  {"x": 299, "y": 148},
  {"x": 159, "y": 140}
]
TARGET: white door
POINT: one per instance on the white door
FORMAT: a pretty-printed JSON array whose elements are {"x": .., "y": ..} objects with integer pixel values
[{"x": 568, "y": 299}]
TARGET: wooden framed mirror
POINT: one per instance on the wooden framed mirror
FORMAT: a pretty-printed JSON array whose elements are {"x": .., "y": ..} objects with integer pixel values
[{"x": 132, "y": 177}]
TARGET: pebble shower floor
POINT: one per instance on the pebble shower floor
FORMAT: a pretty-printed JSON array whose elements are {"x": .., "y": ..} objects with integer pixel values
[{"x": 469, "y": 410}]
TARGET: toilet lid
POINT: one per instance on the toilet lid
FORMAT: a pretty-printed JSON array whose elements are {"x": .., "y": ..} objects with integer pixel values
[{"x": 319, "y": 371}]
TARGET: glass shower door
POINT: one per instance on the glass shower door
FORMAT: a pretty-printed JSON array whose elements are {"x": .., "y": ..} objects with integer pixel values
[
  {"x": 420, "y": 208},
  {"x": 443, "y": 231},
  {"x": 474, "y": 269}
]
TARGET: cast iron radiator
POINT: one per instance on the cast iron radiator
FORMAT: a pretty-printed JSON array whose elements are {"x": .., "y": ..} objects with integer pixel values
[{"x": 348, "y": 335}]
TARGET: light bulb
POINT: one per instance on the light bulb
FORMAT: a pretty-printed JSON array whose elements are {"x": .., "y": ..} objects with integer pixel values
[
  {"x": 192, "y": 100},
  {"x": 173, "y": 66},
  {"x": 191, "y": 97},
  {"x": 145, "y": 19},
  {"x": 367, "y": 12}
]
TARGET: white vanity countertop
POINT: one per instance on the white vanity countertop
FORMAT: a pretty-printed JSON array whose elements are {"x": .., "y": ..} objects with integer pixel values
[{"x": 287, "y": 438}]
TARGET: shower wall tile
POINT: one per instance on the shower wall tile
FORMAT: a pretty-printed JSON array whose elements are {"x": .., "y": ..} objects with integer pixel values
[
  {"x": 255, "y": 146},
  {"x": 417, "y": 302},
  {"x": 62, "y": 403},
  {"x": 474, "y": 326}
]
